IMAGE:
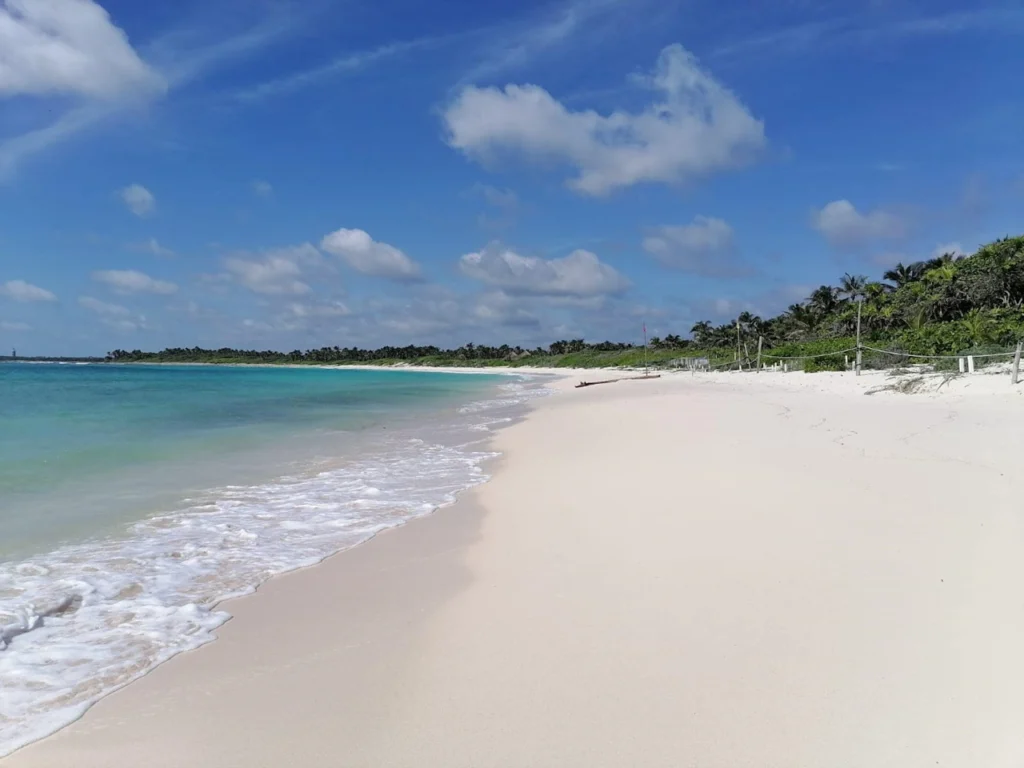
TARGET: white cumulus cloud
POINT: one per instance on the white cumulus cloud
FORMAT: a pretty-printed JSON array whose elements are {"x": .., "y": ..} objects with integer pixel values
[
  {"x": 703, "y": 247},
  {"x": 19, "y": 290},
  {"x": 276, "y": 272},
  {"x": 328, "y": 309},
  {"x": 696, "y": 128},
  {"x": 843, "y": 226},
  {"x": 113, "y": 315},
  {"x": 364, "y": 254},
  {"x": 499, "y": 308},
  {"x": 68, "y": 47},
  {"x": 154, "y": 247},
  {"x": 139, "y": 200},
  {"x": 581, "y": 273},
  {"x": 103, "y": 307},
  {"x": 126, "y": 281}
]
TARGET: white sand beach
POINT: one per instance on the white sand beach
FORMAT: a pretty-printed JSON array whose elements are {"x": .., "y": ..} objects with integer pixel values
[{"x": 715, "y": 571}]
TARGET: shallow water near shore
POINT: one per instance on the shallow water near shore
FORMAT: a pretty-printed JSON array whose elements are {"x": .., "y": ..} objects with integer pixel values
[{"x": 133, "y": 499}]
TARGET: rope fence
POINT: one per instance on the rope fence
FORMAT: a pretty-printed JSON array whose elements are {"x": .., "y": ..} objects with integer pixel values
[
  {"x": 936, "y": 357},
  {"x": 966, "y": 361},
  {"x": 814, "y": 357},
  {"x": 745, "y": 362}
]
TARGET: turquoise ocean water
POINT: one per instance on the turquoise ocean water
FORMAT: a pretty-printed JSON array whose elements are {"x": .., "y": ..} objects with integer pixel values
[{"x": 134, "y": 498}]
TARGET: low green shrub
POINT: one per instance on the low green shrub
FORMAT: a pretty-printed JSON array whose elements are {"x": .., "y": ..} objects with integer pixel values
[{"x": 830, "y": 363}]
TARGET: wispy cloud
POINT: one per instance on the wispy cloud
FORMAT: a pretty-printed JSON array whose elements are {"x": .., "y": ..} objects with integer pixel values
[
  {"x": 497, "y": 49},
  {"x": 870, "y": 29},
  {"x": 186, "y": 54},
  {"x": 342, "y": 65},
  {"x": 176, "y": 58},
  {"x": 513, "y": 46},
  {"x": 152, "y": 247},
  {"x": 78, "y": 120}
]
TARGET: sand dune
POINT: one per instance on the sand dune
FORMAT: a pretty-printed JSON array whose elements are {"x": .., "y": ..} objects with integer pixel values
[{"x": 694, "y": 571}]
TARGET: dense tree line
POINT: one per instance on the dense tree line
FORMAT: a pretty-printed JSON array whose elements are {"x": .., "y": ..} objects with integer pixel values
[
  {"x": 341, "y": 355},
  {"x": 939, "y": 306}
]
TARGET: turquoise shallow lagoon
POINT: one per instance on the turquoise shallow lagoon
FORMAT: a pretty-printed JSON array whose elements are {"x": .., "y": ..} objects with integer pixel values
[{"x": 134, "y": 498}]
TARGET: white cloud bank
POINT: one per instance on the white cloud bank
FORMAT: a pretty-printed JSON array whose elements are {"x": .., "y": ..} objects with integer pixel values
[
  {"x": 19, "y": 290},
  {"x": 276, "y": 272},
  {"x": 580, "y": 273},
  {"x": 128, "y": 281},
  {"x": 113, "y": 315},
  {"x": 843, "y": 226},
  {"x": 68, "y": 47},
  {"x": 364, "y": 254},
  {"x": 321, "y": 310},
  {"x": 703, "y": 247},
  {"x": 698, "y": 127},
  {"x": 103, "y": 307}
]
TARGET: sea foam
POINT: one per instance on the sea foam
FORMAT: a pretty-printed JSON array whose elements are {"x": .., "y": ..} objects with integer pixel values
[{"x": 86, "y": 619}]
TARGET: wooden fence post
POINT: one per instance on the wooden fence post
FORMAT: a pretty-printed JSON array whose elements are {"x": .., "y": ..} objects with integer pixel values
[
  {"x": 859, "y": 357},
  {"x": 1015, "y": 376},
  {"x": 760, "y": 341},
  {"x": 739, "y": 363}
]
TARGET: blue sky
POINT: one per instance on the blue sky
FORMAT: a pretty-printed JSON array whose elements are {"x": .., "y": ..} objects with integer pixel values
[{"x": 297, "y": 174}]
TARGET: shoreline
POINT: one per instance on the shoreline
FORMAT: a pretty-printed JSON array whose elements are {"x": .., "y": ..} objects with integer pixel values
[
  {"x": 479, "y": 370},
  {"x": 476, "y": 457},
  {"x": 575, "y": 611}
]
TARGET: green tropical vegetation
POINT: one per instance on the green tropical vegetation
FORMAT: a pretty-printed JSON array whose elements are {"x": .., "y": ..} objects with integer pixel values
[{"x": 942, "y": 306}]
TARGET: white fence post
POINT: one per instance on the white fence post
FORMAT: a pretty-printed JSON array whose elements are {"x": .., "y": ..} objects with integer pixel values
[
  {"x": 970, "y": 363},
  {"x": 1015, "y": 376},
  {"x": 963, "y": 365}
]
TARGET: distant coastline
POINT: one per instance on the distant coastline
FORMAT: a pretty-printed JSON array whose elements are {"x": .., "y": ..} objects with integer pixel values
[
  {"x": 19, "y": 359},
  {"x": 940, "y": 309}
]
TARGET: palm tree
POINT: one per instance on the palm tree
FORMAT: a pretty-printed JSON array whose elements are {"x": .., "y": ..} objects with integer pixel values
[
  {"x": 851, "y": 287},
  {"x": 903, "y": 274},
  {"x": 874, "y": 291},
  {"x": 939, "y": 261},
  {"x": 823, "y": 300},
  {"x": 701, "y": 332},
  {"x": 805, "y": 321},
  {"x": 745, "y": 322}
]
